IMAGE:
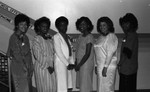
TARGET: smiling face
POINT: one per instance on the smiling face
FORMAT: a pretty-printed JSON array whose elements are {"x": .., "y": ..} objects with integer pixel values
[
  {"x": 83, "y": 27},
  {"x": 22, "y": 27},
  {"x": 104, "y": 28},
  {"x": 44, "y": 28}
]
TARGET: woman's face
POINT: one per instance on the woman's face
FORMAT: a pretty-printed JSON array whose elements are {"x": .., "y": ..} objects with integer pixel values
[
  {"x": 83, "y": 26},
  {"x": 125, "y": 27},
  {"x": 44, "y": 28},
  {"x": 104, "y": 28},
  {"x": 22, "y": 27},
  {"x": 63, "y": 27}
]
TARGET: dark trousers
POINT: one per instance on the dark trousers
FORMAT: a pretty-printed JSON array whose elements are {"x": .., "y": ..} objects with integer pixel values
[
  {"x": 30, "y": 84},
  {"x": 127, "y": 83},
  {"x": 12, "y": 85}
]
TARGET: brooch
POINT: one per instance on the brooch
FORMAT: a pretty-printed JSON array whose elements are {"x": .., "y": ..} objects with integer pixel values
[
  {"x": 23, "y": 44},
  {"x": 124, "y": 40}
]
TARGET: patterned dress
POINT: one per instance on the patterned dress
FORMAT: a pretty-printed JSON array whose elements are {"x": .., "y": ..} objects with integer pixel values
[
  {"x": 84, "y": 76},
  {"x": 106, "y": 48},
  {"x": 43, "y": 54},
  {"x": 21, "y": 63}
]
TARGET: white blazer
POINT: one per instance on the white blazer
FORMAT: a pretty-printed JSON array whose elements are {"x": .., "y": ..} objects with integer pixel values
[{"x": 62, "y": 60}]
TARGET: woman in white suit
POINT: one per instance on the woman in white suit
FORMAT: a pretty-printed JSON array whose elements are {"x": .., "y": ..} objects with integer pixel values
[{"x": 64, "y": 61}]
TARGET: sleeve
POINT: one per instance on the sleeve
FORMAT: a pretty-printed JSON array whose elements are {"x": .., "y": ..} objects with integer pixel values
[
  {"x": 38, "y": 53},
  {"x": 28, "y": 52},
  {"x": 111, "y": 48},
  {"x": 31, "y": 42},
  {"x": 51, "y": 56},
  {"x": 58, "y": 50},
  {"x": 127, "y": 52},
  {"x": 90, "y": 39},
  {"x": 95, "y": 63},
  {"x": 29, "y": 56}
]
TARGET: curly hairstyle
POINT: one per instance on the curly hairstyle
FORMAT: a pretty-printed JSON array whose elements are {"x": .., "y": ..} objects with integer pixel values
[
  {"x": 39, "y": 21},
  {"x": 61, "y": 19},
  {"x": 129, "y": 18},
  {"x": 87, "y": 20},
  {"x": 21, "y": 18},
  {"x": 108, "y": 21}
]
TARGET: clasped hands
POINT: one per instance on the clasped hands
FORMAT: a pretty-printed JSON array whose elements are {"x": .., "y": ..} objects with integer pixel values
[
  {"x": 73, "y": 66},
  {"x": 70, "y": 66}
]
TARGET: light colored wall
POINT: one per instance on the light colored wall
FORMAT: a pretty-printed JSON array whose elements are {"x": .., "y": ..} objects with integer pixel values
[{"x": 93, "y": 9}]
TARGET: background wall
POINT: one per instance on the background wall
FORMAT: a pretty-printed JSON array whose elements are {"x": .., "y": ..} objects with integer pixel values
[
  {"x": 73, "y": 9},
  {"x": 93, "y": 9}
]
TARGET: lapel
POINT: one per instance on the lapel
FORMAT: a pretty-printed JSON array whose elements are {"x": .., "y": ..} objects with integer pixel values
[
  {"x": 64, "y": 42},
  {"x": 62, "y": 39}
]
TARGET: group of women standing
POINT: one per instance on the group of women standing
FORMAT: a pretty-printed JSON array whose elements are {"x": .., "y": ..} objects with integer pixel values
[
  {"x": 54, "y": 58},
  {"x": 105, "y": 51}
]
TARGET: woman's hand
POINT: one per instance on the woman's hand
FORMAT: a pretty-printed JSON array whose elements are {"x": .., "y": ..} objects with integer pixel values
[
  {"x": 70, "y": 66},
  {"x": 77, "y": 68},
  {"x": 104, "y": 72},
  {"x": 50, "y": 69}
]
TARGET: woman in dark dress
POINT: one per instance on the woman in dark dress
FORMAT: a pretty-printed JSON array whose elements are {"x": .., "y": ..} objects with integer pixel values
[
  {"x": 19, "y": 50},
  {"x": 128, "y": 64}
]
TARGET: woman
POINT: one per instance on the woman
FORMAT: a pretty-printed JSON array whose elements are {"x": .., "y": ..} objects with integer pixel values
[
  {"x": 84, "y": 55},
  {"x": 43, "y": 54},
  {"x": 106, "y": 55},
  {"x": 128, "y": 64},
  {"x": 19, "y": 51},
  {"x": 63, "y": 55}
]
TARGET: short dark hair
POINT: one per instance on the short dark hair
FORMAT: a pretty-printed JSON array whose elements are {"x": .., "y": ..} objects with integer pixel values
[
  {"x": 129, "y": 17},
  {"x": 61, "y": 19},
  {"x": 21, "y": 18},
  {"x": 39, "y": 21},
  {"x": 108, "y": 21},
  {"x": 87, "y": 20}
]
